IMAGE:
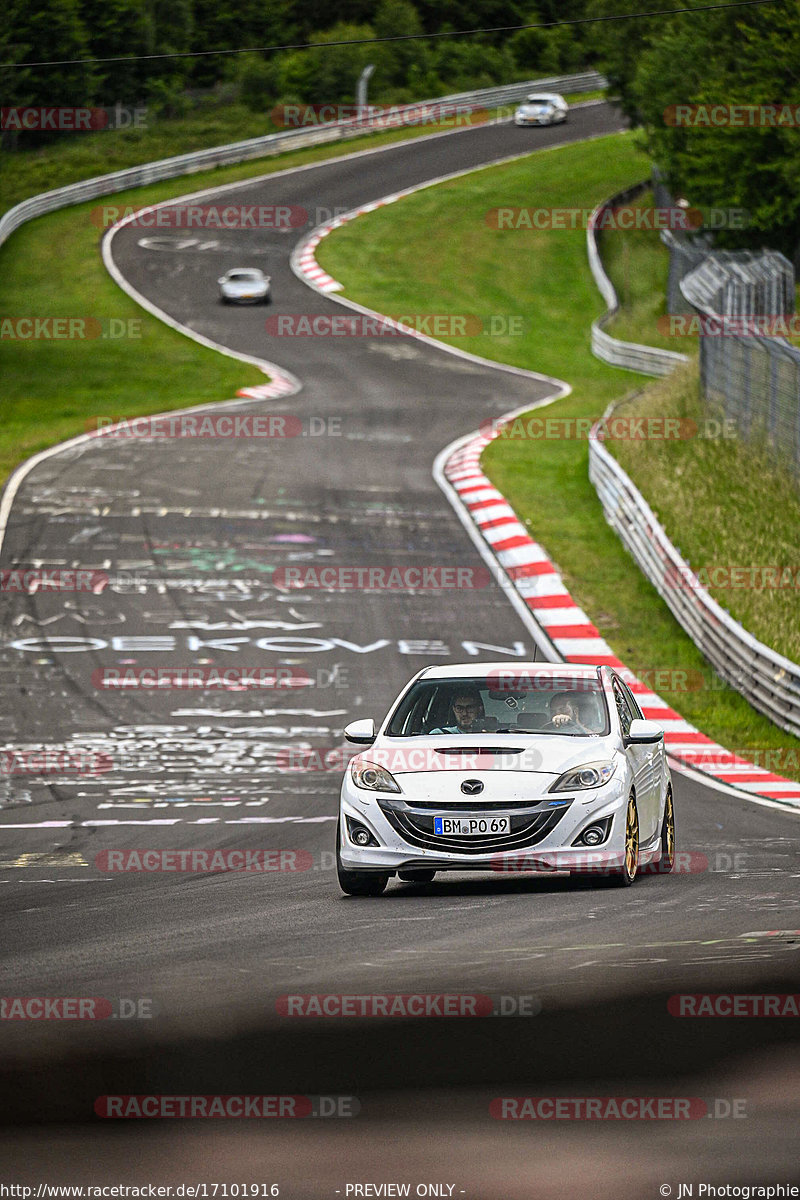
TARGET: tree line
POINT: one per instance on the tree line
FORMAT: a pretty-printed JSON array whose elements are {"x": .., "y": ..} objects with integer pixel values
[
  {"x": 717, "y": 98},
  {"x": 324, "y": 73},
  {"x": 659, "y": 67}
]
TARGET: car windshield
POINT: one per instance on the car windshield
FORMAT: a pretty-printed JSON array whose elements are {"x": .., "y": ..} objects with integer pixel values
[
  {"x": 244, "y": 276},
  {"x": 538, "y": 100},
  {"x": 510, "y": 703}
]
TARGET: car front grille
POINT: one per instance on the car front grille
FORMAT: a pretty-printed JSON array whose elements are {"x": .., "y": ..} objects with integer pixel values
[{"x": 530, "y": 824}]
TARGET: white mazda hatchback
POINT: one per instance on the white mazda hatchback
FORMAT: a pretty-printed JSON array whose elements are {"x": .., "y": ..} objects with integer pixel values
[{"x": 506, "y": 767}]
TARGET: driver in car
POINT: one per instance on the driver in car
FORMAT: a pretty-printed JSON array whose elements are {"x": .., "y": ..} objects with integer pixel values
[{"x": 467, "y": 708}]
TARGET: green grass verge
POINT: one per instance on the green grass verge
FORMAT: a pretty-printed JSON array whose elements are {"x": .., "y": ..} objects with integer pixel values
[
  {"x": 52, "y": 389},
  {"x": 411, "y": 257},
  {"x": 637, "y": 263}
]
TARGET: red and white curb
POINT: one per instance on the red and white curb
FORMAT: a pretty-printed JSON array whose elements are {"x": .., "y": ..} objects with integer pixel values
[
  {"x": 280, "y": 384},
  {"x": 575, "y": 638},
  {"x": 308, "y": 266},
  {"x": 304, "y": 261}
]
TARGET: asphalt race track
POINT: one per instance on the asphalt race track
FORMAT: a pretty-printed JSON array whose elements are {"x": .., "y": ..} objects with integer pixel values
[{"x": 192, "y": 535}]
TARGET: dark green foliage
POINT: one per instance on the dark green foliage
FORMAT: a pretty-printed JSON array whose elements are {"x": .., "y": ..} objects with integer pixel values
[
  {"x": 735, "y": 57},
  {"x": 405, "y": 68}
]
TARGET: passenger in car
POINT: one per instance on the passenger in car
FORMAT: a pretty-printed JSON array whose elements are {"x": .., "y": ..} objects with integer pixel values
[{"x": 565, "y": 714}]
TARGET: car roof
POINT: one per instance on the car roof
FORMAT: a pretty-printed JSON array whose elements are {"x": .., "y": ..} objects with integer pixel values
[
  {"x": 543, "y": 96},
  {"x": 460, "y": 670}
]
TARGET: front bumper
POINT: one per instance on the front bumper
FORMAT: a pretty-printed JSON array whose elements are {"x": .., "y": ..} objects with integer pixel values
[
  {"x": 250, "y": 298},
  {"x": 540, "y": 843}
]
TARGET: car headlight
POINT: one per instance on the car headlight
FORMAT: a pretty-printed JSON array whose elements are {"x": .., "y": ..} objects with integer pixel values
[
  {"x": 372, "y": 778},
  {"x": 589, "y": 775}
]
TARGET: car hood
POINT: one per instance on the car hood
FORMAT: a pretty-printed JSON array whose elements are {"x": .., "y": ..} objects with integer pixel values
[
  {"x": 245, "y": 286},
  {"x": 535, "y": 109},
  {"x": 486, "y": 753}
]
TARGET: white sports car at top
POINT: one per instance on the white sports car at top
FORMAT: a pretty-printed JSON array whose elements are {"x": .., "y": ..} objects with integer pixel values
[
  {"x": 506, "y": 767},
  {"x": 542, "y": 108}
]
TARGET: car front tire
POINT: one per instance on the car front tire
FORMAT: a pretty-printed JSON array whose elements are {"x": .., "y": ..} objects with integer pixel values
[
  {"x": 666, "y": 863},
  {"x": 357, "y": 883},
  {"x": 625, "y": 875}
]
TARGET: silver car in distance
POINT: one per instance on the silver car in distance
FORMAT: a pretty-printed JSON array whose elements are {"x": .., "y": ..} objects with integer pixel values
[
  {"x": 245, "y": 285},
  {"x": 542, "y": 108}
]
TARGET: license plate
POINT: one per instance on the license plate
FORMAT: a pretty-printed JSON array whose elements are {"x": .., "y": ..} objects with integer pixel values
[{"x": 471, "y": 826}]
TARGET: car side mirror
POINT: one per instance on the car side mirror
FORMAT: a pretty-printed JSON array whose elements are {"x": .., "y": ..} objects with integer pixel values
[
  {"x": 361, "y": 732},
  {"x": 642, "y": 733}
]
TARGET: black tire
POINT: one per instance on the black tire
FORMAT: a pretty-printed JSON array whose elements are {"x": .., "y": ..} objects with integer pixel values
[
  {"x": 416, "y": 876},
  {"x": 666, "y": 863},
  {"x": 358, "y": 883},
  {"x": 625, "y": 875}
]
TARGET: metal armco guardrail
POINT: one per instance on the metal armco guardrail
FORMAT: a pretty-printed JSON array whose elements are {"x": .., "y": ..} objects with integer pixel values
[
  {"x": 752, "y": 379},
  {"x": 275, "y": 143},
  {"x": 647, "y": 360},
  {"x": 770, "y": 682}
]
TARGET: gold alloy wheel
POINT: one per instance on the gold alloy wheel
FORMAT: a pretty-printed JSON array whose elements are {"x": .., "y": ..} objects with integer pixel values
[
  {"x": 668, "y": 836},
  {"x": 631, "y": 840}
]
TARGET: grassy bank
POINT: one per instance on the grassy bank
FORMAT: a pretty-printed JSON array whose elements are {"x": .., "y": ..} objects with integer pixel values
[
  {"x": 637, "y": 263},
  {"x": 726, "y": 506},
  {"x": 393, "y": 260}
]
